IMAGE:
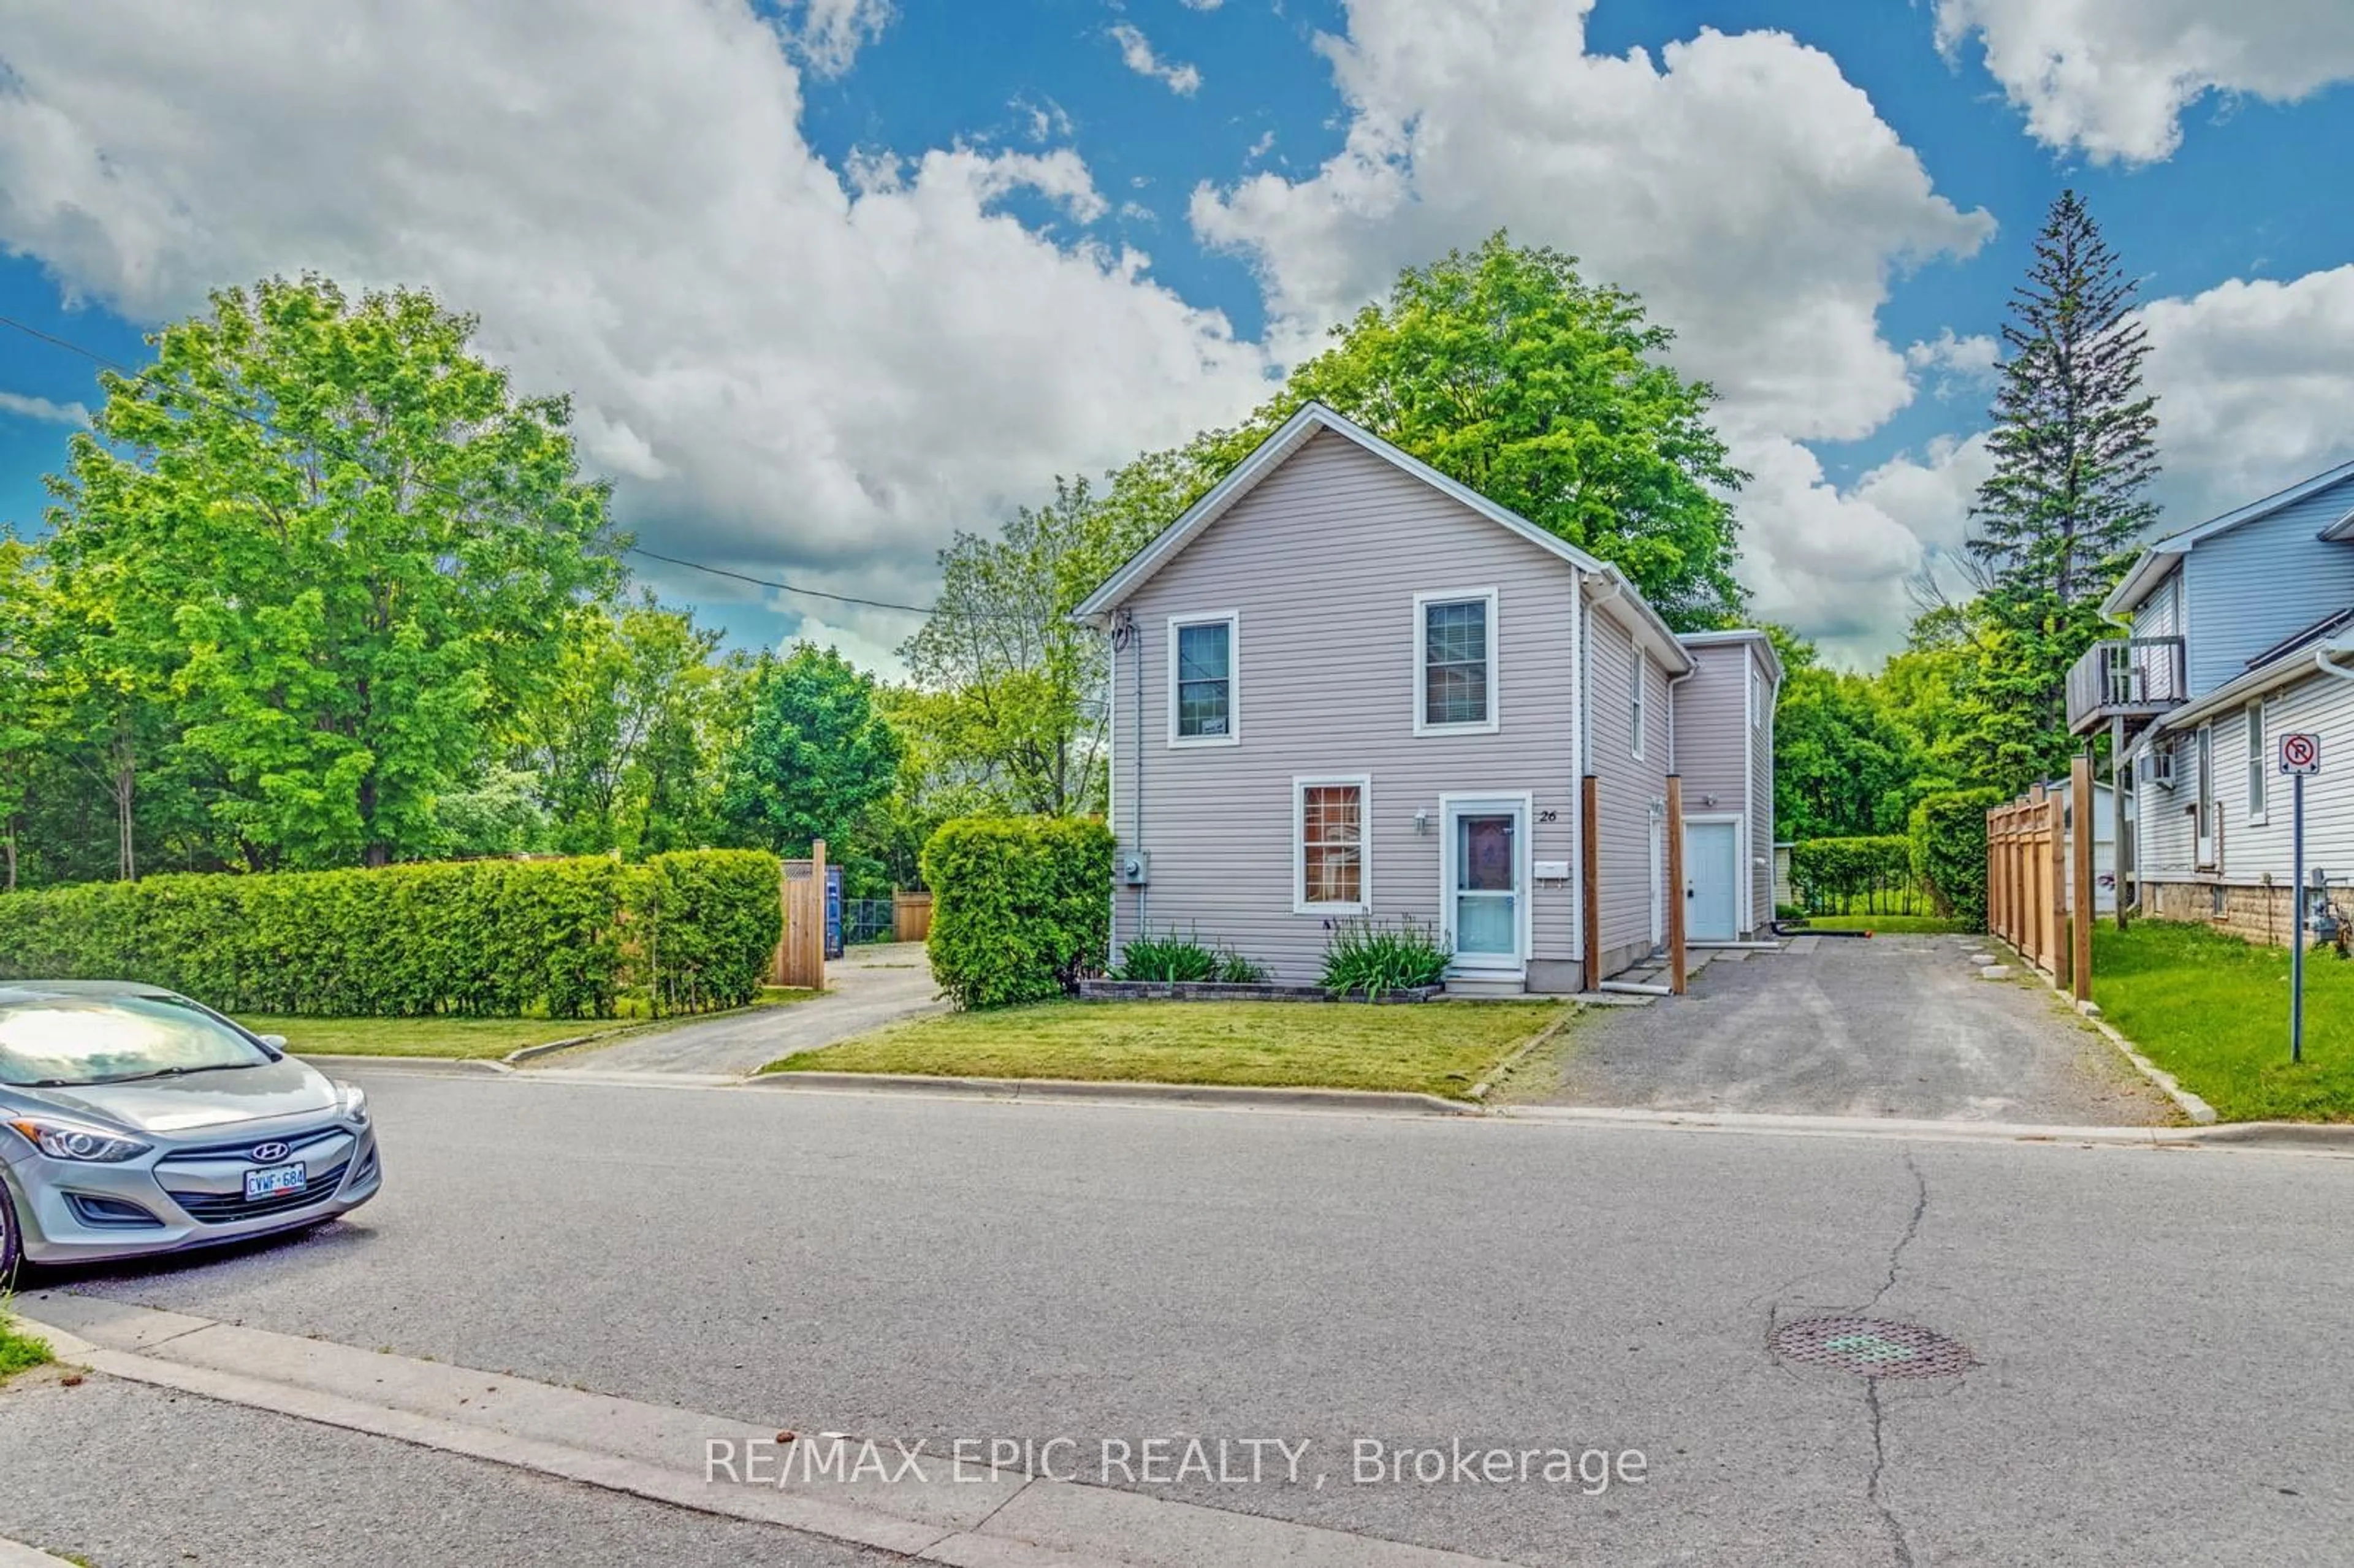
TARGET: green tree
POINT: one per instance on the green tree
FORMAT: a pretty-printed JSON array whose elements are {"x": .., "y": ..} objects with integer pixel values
[
  {"x": 24, "y": 601},
  {"x": 2055, "y": 525},
  {"x": 1506, "y": 370},
  {"x": 1014, "y": 702},
  {"x": 625, "y": 737},
  {"x": 816, "y": 755},
  {"x": 1845, "y": 766},
  {"x": 341, "y": 545}
]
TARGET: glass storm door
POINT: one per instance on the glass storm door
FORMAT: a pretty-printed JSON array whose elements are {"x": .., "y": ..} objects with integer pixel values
[{"x": 1484, "y": 884}]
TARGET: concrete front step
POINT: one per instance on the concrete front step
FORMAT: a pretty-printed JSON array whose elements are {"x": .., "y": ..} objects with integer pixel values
[{"x": 1477, "y": 986}]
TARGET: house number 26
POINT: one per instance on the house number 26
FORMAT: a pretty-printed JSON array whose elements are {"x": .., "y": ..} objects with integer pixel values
[{"x": 1548, "y": 816}]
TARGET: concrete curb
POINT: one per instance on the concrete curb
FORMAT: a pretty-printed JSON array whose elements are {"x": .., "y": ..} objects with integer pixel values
[
  {"x": 2200, "y": 1113},
  {"x": 471, "y": 1066},
  {"x": 1357, "y": 1101},
  {"x": 1853, "y": 1126},
  {"x": 2282, "y": 1134},
  {"x": 522, "y": 1053},
  {"x": 1001, "y": 1519},
  {"x": 1522, "y": 1052},
  {"x": 16, "y": 1554}
]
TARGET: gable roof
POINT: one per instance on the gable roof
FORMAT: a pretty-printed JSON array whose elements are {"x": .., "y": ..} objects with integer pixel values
[
  {"x": 2151, "y": 566},
  {"x": 1295, "y": 433}
]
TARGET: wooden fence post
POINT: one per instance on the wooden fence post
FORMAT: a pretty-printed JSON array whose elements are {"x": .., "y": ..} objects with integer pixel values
[
  {"x": 2081, "y": 793},
  {"x": 2055, "y": 819},
  {"x": 1676, "y": 975}
]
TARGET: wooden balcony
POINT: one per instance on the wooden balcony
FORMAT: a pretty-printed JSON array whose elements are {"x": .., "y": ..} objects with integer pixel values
[{"x": 2131, "y": 678}]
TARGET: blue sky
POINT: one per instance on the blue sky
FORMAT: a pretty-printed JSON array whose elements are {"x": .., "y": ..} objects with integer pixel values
[{"x": 832, "y": 279}]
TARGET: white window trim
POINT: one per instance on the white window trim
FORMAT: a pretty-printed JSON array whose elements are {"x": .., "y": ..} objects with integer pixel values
[
  {"x": 1422, "y": 602},
  {"x": 1638, "y": 700},
  {"x": 1233, "y": 620},
  {"x": 1300, "y": 784},
  {"x": 2253, "y": 761},
  {"x": 2205, "y": 823}
]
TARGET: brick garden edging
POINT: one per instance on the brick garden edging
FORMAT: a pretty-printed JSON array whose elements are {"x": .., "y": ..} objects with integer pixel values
[{"x": 1220, "y": 990}]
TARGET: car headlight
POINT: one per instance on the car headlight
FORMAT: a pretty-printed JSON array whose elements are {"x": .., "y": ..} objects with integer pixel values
[
  {"x": 353, "y": 1105},
  {"x": 69, "y": 1140}
]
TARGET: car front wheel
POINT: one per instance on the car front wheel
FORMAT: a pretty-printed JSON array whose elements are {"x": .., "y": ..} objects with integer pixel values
[{"x": 11, "y": 1244}]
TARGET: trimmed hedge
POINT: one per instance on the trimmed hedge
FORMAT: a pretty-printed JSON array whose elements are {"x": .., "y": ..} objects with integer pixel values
[
  {"x": 1020, "y": 906},
  {"x": 689, "y": 931},
  {"x": 1949, "y": 852},
  {"x": 1830, "y": 874}
]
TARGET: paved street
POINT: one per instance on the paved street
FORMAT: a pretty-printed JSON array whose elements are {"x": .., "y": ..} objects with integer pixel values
[
  {"x": 125, "y": 1476},
  {"x": 874, "y": 984},
  {"x": 1896, "y": 1025},
  {"x": 2163, "y": 1374}
]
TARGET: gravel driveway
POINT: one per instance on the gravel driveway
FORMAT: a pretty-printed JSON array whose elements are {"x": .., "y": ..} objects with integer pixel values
[
  {"x": 1897, "y": 1026},
  {"x": 876, "y": 984}
]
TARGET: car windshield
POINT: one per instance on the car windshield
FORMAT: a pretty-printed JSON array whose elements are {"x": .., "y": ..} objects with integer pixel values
[{"x": 64, "y": 1039}]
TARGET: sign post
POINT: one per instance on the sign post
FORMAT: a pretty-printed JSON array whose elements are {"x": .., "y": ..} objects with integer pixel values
[{"x": 2300, "y": 756}]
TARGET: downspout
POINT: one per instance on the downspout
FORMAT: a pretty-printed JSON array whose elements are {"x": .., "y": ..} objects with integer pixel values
[
  {"x": 1136, "y": 810},
  {"x": 1578, "y": 698},
  {"x": 2330, "y": 666}
]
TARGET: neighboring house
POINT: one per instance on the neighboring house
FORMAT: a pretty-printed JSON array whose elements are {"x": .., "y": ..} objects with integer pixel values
[
  {"x": 1345, "y": 686},
  {"x": 2236, "y": 627}
]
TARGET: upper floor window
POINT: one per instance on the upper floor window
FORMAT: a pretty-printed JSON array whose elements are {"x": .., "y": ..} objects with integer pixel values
[
  {"x": 1636, "y": 682},
  {"x": 2256, "y": 761},
  {"x": 1454, "y": 662},
  {"x": 1201, "y": 706}
]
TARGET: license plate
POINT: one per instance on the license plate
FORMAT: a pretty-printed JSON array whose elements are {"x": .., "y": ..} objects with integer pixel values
[{"x": 276, "y": 1179}]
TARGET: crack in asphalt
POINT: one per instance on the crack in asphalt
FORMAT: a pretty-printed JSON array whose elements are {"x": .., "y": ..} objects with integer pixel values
[
  {"x": 1888, "y": 1520},
  {"x": 1897, "y": 1541},
  {"x": 1912, "y": 1228}
]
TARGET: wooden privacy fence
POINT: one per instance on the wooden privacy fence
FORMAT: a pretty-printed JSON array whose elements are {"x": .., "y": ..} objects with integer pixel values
[
  {"x": 911, "y": 916},
  {"x": 800, "y": 953},
  {"x": 2039, "y": 873}
]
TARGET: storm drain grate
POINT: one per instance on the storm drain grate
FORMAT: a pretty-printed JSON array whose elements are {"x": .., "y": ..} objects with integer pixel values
[{"x": 1870, "y": 1347}]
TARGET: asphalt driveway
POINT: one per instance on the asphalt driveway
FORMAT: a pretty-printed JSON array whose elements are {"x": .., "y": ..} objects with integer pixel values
[
  {"x": 1896, "y": 1026},
  {"x": 873, "y": 985}
]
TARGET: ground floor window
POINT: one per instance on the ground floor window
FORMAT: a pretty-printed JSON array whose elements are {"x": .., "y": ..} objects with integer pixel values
[{"x": 1328, "y": 843}]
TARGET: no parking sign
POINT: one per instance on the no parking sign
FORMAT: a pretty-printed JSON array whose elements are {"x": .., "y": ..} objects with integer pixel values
[{"x": 2300, "y": 753}]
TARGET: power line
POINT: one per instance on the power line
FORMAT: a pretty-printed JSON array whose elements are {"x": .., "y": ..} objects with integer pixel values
[{"x": 261, "y": 424}]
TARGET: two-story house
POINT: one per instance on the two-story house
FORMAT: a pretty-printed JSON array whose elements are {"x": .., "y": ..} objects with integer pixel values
[
  {"x": 1346, "y": 686},
  {"x": 2242, "y": 630}
]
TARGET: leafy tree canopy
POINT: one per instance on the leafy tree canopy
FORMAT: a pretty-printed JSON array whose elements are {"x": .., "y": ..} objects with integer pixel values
[
  {"x": 339, "y": 544},
  {"x": 816, "y": 755}
]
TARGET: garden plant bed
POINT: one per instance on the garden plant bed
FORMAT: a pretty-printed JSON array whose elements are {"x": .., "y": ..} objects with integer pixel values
[
  {"x": 1445, "y": 1051},
  {"x": 1223, "y": 990}
]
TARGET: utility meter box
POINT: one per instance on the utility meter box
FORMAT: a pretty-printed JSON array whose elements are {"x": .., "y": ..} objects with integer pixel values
[{"x": 1135, "y": 868}]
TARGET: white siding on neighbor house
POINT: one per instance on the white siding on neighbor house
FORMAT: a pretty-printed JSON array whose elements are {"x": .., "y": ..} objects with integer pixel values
[
  {"x": 1321, "y": 563},
  {"x": 2253, "y": 850},
  {"x": 2262, "y": 582},
  {"x": 1627, "y": 790}
]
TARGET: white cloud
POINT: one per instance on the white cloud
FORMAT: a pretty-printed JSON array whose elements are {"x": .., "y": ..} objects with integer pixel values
[
  {"x": 798, "y": 371},
  {"x": 1740, "y": 183},
  {"x": 828, "y": 34},
  {"x": 2113, "y": 77},
  {"x": 1955, "y": 365},
  {"x": 1136, "y": 53},
  {"x": 1202, "y": 5},
  {"x": 43, "y": 409},
  {"x": 1042, "y": 122},
  {"x": 2256, "y": 389}
]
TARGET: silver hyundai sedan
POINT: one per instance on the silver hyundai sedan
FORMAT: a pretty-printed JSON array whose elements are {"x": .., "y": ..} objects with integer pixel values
[{"x": 134, "y": 1121}]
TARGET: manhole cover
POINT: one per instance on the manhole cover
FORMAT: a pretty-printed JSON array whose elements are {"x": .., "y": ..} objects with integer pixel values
[{"x": 1870, "y": 1347}]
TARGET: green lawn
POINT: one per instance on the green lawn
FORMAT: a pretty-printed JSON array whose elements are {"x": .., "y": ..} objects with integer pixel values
[
  {"x": 2213, "y": 1011},
  {"x": 1437, "y": 1048},
  {"x": 1893, "y": 925},
  {"x": 19, "y": 1349},
  {"x": 456, "y": 1037}
]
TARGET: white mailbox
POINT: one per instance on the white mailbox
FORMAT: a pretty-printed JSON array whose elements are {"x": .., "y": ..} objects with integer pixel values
[{"x": 1552, "y": 871}]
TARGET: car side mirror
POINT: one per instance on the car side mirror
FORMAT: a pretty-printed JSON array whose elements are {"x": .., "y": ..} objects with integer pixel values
[{"x": 275, "y": 1041}]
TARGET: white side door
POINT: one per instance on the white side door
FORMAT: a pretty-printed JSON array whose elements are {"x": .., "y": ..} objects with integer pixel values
[{"x": 1711, "y": 880}]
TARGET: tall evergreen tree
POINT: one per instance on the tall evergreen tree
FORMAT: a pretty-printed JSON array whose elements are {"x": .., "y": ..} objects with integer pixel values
[{"x": 2074, "y": 447}]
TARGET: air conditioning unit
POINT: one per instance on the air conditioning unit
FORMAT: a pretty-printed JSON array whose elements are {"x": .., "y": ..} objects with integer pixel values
[{"x": 2157, "y": 767}]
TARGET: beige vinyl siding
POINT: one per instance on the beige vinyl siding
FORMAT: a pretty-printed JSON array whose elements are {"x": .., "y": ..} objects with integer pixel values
[
  {"x": 1321, "y": 563},
  {"x": 1627, "y": 789},
  {"x": 1760, "y": 847},
  {"x": 1710, "y": 747}
]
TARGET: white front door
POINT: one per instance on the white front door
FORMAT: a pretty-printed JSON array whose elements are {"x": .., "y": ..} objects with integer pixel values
[
  {"x": 1484, "y": 880},
  {"x": 1711, "y": 880}
]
